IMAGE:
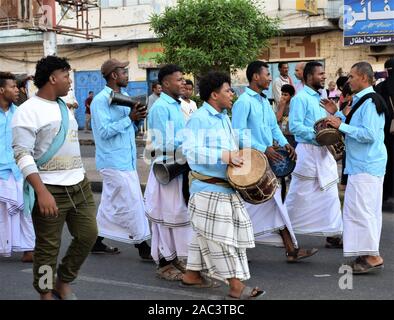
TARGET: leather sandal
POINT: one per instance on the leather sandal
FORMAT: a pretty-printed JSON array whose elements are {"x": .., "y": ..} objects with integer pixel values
[
  {"x": 105, "y": 249},
  {"x": 170, "y": 273},
  {"x": 362, "y": 266},
  {"x": 248, "y": 293},
  {"x": 299, "y": 254}
]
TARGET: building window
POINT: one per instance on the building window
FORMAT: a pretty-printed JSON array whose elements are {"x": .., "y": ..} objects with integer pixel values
[{"x": 122, "y": 3}]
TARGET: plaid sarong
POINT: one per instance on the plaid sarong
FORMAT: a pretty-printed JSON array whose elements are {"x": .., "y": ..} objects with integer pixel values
[{"x": 222, "y": 232}]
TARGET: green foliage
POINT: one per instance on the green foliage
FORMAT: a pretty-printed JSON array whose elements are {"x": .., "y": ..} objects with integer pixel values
[{"x": 203, "y": 35}]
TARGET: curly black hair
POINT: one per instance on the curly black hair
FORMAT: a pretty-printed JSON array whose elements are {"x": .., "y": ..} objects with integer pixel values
[
  {"x": 46, "y": 66},
  {"x": 167, "y": 70},
  {"x": 211, "y": 82},
  {"x": 4, "y": 76}
]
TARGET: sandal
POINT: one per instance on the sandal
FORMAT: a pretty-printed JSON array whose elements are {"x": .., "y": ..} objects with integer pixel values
[
  {"x": 105, "y": 249},
  {"x": 362, "y": 266},
  {"x": 334, "y": 243},
  {"x": 299, "y": 254},
  {"x": 205, "y": 283},
  {"x": 170, "y": 273},
  {"x": 180, "y": 265},
  {"x": 248, "y": 293}
]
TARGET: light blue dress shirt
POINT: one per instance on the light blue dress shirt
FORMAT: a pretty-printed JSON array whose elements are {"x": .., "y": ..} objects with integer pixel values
[
  {"x": 305, "y": 110},
  {"x": 7, "y": 160},
  {"x": 208, "y": 133},
  {"x": 257, "y": 126},
  {"x": 114, "y": 134},
  {"x": 364, "y": 139},
  {"x": 165, "y": 121}
]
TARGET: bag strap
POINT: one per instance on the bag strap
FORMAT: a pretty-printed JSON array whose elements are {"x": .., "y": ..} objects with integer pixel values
[
  {"x": 379, "y": 103},
  {"x": 391, "y": 102},
  {"x": 58, "y": 141}
]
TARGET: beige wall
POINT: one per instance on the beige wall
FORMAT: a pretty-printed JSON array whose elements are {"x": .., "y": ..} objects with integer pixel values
[
  {"x": 325, "y": 46},
  {"x": 18, "y": 60},
  {"x": 338, "y": 56}
]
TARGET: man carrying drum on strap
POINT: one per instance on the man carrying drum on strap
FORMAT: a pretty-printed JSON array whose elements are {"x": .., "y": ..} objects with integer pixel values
[
  {"x": 366, "y": 158},
  {"x": 222, "y": 230},
  {"x": 253, "y": 116},
  {"x": 312, "y": 202},
  {"x": 165, "y": 205},
  {"x": 121, "y": 214}
]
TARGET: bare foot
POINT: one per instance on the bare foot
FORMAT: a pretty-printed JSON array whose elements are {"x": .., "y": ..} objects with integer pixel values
[
  {"x": 28, "y": 256},
  {"x": 192, "y": 277},
  {"x": 374, "y": 260},
  {"x": 46, "y": 296}
]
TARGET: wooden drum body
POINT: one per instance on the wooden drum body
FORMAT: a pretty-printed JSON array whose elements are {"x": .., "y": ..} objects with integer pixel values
[
  {"x": 255, "y": 180},
  {"x": 325, "y": 134}
]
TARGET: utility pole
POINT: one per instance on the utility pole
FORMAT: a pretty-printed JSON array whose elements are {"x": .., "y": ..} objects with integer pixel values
[{"x": 50, "y": 41}]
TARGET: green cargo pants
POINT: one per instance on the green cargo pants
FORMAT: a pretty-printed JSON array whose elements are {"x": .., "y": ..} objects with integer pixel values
[{"x": 76, "y": 208}]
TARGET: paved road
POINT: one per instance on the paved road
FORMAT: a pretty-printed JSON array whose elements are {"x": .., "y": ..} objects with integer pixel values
[{"x": 124, "y": 276}]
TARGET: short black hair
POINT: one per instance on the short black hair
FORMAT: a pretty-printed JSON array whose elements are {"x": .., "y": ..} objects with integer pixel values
[
  {"x": 189, "y": 82},
  {"x": 46, "y": 66},
  {"x": 154, "y": 84},
  {"x": 211, "y": 82},
  {"x": 346, "y": 90},
  {"x": 365, "y": 68},
  {"x": 167, "y": 70},
  {"x": 255, "y": 67},
  {"x": 281, "y": 64},
  {"x": 341, "y": 81},
  {"x": 288, "y": 88},
  {"x": 4, "y": 76},
  {"x": 90, "y": 92},
  {"x": 310, "y": 68}
]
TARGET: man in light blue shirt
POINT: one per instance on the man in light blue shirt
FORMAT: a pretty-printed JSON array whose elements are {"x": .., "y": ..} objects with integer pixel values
[
  {"x": 165, "y": 204},
  {"x": 16, "y": 229},
  {"x": 222, "y": 230},
  {"x": 366, "y": 159},
  {"x": 253, "y": 116},
  {"x": 312, "y": 201},
  {"x": 121, "y": 214}
]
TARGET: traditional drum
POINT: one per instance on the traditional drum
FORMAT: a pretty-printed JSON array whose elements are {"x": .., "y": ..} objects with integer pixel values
[
  {"x": 325, "y": 134},
  {"x": 255, "y": 180},
  {"x": 337, "y": 150},
  {"x": 284, "y": 167}
]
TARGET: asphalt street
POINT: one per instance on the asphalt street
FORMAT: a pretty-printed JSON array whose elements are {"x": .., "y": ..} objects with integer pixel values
[{"x": 125, "y": 277}]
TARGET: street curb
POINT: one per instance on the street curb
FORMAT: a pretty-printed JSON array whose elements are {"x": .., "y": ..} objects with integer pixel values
[{"x": 97, "y": 186}]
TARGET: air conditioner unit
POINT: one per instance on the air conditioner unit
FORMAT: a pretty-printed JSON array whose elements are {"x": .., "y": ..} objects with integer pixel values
[
  {"x": 334, "y": 9},
  {"x": 381, "y": 50}
]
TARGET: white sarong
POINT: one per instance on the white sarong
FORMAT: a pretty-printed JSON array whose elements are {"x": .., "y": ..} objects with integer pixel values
[
  {"x": 16, "y": 229},
  {"x": 362, "y": 215},
  {"x": 268, "y": 218},
  {"x": 166, "y": 209},
  {"x": 121, "y": 214},
  {"x": 222, "y": 231},
  {"x": 312, "y": 201}
]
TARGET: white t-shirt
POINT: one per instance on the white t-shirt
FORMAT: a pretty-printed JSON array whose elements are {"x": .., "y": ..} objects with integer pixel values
[
  {"x": 35, "y": 124},
  {"x": 188, "y": 108}
]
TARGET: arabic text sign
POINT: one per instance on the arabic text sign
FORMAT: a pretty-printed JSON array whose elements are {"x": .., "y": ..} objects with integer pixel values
[{"x": 368, "y": 22}]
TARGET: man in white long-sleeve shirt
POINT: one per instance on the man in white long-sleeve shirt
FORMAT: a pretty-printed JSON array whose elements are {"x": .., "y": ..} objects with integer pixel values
[{"x": 56, "y": 174}]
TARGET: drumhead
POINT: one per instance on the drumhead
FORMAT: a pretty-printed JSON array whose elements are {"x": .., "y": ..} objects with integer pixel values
[
  {"x": 285, "y": 167},
  {"x": 327, "y": 137},
  {"x": 253, "y": 169},
  {"x": 318, "y": 122}
]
